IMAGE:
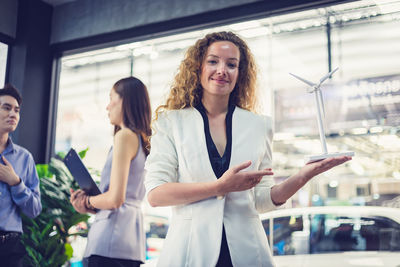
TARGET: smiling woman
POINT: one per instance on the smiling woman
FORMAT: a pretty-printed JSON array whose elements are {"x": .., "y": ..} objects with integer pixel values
[
  {"x": 220, "y": 69},
  {"x": 218, "y": 187}
]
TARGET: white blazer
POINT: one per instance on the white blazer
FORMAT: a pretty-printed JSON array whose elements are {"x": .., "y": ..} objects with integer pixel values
[{"x": 179, "y": 154}]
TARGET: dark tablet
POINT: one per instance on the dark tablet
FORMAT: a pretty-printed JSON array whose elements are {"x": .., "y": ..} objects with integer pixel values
[{"x": 80, "y": 173}]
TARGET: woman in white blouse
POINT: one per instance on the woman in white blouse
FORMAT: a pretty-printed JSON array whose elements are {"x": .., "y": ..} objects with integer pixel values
[{"x": 211, "y": 160}]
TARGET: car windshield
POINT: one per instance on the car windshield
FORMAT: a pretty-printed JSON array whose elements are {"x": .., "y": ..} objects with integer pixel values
[{"x": 326, "y": 233}]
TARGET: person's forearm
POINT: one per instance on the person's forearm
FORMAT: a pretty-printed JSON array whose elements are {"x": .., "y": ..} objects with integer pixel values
[
  {"x": 171, "y": 194},
  {"x": 107, "y": 201},
  {"x": 280, "y": 193}
]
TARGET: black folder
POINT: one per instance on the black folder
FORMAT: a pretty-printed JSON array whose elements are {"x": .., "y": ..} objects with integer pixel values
[{"x": 80, "y": 173}]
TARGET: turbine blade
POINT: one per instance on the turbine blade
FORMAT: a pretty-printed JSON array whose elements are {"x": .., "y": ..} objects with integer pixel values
[
  {"x": 303, "y": 80},
  {"x": 328, "y": 75}
]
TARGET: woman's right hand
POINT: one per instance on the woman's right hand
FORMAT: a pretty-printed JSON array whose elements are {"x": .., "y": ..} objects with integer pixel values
[{"x": 235, "y": 179}]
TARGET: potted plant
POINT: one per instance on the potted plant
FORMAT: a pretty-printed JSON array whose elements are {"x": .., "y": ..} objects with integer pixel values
[{"x": 46, "y": 237}]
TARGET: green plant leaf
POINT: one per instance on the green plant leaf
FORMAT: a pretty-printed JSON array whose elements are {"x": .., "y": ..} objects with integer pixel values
[
  {"x": 61, "y": 155},
  {"x": 82, "y": 153},
  {"x": 69, "y": 251},
  {"x": 43, "y": 170}
]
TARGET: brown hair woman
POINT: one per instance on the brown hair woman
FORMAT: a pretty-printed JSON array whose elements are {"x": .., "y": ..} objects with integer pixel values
[{"x": 117, "y": 238}]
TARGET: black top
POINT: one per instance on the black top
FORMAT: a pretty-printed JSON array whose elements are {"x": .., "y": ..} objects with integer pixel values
[{"x": 220, "y": 165}]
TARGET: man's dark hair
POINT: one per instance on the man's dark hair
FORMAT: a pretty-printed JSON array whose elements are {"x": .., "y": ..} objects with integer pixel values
[{"x": 10, "y": 90}]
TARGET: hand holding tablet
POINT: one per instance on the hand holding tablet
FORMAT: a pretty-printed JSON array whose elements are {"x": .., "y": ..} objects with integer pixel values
[{"x": 80, "y": 173}]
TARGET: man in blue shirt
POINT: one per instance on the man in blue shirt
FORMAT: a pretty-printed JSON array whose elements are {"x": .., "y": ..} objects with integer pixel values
[{"x": 19, "y": 182}]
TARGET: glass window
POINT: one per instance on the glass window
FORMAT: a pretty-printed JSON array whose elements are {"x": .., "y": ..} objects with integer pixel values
[
  {"x": 85, "y": 84},
  {"x": 330, "y": 233},
  {"x": 3, "y": 63},
  {"x": 87, "y": 78},
  {"x": 288, "y": 235},
  {"x": 362, "y": 100},
  {"x": 332, "y": 191},
  {"x": 365, "y": 40},
  {"x": 362, "y": 107}
]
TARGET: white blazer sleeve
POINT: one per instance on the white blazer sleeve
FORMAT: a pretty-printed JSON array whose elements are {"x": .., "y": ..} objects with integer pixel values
[
  {"x": 262, "y": 192},
  {"x": 162, "y": 162}
]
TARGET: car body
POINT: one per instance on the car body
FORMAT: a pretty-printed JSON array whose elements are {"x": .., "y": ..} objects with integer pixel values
[{"x": 334, "y": 236}]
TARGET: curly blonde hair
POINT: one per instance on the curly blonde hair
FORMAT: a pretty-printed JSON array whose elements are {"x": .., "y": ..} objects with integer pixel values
[{"x": 186, "y": 90}]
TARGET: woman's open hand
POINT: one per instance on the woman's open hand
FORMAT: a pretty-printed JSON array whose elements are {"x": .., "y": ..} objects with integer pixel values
[
  {"x": 280, "y": 193},
  {"x": 236, "y": 179},
  {"x": 312, "y": 169}
]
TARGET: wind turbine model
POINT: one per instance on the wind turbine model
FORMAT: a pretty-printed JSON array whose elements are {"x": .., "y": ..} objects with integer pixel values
[{"x": 315, "y": 88}]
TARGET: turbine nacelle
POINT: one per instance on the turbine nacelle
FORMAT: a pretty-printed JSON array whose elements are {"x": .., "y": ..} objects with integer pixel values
[{"x": 313, "y": 86}]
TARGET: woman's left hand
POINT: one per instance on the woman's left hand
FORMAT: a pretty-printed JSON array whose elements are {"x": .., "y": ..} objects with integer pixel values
[
  {"x": 282, "y": 192},
  {"x": 312, "y": 169},
  {"x": 78, "y": 201}
]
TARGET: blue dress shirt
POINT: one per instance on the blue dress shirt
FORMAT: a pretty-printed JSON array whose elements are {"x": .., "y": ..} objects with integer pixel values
[{"x": 24, "y": 196}]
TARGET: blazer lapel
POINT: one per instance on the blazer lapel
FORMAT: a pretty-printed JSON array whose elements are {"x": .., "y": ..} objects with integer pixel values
[{"x": 196, "y": 157}]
